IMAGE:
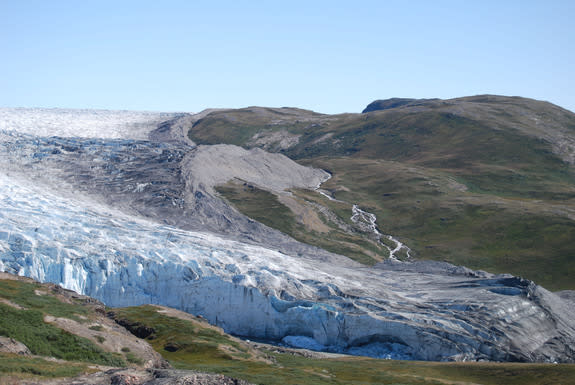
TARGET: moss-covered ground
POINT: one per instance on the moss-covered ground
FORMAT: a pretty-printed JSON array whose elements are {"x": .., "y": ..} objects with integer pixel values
[{"x": 22, "y": 319}]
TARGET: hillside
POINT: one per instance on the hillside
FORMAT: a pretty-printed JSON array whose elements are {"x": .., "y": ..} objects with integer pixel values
[
  {"x": 63, "y": 337},
  {"x": 485, "y": 181}
]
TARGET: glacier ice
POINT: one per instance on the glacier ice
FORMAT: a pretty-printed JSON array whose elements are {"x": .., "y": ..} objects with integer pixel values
[
  {"x": 260, "y": 293},
  {"x": 85, "y": 123}
]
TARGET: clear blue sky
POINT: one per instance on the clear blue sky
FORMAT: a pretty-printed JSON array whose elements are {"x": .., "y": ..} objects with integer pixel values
[{"x": 329, "y": 56}]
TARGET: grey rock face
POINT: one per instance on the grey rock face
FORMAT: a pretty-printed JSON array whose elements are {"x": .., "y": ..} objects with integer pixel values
[
  {"x": 131, "y": 376},
  {"x": 209, "y": 166},
  {"x": 10, "y": 345},
  {"x": 168, "y": 377}
]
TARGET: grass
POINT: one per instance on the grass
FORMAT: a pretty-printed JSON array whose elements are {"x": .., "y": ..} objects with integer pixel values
[
  {"x": 24, "y": 294},
  {"x": 188, "y": 345},
  {"x": 247, "y": 122},
  {"x": 264, "y": 207},
  {"x": 133, "y": 359},
  {"x": 433, "y": 138},
  {"x": 430, "y": 212},
  {"x": 180, "y": 337},
  {"x": 437, "y": 214},
  {"x": 261, "y": 205},
  {"x": 200, "y": 347},
  {"x": 507, "y": 213},
  {"x": 28, "y": 327},
  {"x": 22, "y": 367},
  {"x": 399, "y": 164}
]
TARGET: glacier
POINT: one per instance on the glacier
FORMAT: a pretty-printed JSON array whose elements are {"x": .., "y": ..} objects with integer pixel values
[
  {"x": 86, "y": 123},
  {"x": 260, "y": 293},
  {"x": 117, "y": 219}
]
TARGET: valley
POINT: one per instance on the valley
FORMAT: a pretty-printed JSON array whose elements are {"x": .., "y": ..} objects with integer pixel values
[{"x": 422, "y": 230}]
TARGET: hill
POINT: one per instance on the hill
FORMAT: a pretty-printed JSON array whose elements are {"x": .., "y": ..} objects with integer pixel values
[{"x": 484, "y": 181}]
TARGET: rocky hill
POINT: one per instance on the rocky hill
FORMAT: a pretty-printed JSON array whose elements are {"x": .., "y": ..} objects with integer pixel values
[{"x": 484, "y": 181}]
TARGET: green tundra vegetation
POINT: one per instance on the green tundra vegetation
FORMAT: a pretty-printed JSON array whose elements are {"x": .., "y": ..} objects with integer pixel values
[
  {"x": 37, "y": 368},
  {"x": 486, "y": 182},
  {"x": 26, "y": 324},
  {"x": 258, "y": 204},
  {"x": 23, "y": 306}
]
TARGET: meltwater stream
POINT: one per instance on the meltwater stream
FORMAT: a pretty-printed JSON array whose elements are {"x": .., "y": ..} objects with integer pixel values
[{"x": 368, "y": 222}]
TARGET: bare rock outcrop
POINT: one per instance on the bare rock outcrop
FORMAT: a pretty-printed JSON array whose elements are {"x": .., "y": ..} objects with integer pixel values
[
  {"x": 10, "y": 345},
  {"x": 209, "y": 166}
]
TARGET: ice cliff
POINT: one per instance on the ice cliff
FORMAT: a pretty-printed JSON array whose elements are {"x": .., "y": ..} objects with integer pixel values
[{"x": 119, "y": 220}]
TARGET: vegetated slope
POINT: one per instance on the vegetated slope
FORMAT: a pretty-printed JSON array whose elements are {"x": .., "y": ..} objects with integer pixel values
[
  {"x": 197, "y": 351},
  {"x": 485, "y": 181},
  {"x": 56, "y": 336},
  {"x": 46, "y": 321}
]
